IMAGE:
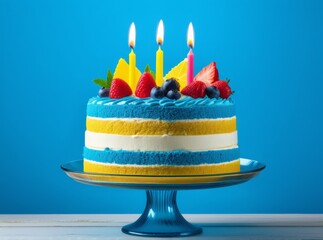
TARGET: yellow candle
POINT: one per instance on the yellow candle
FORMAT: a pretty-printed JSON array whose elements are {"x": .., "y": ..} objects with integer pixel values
[
  {"x": 132, "y": 70},
  {"x": 160, "y": 54},
  {"x": 132, "y": 58},
  {"x": 159, "y": 66}
]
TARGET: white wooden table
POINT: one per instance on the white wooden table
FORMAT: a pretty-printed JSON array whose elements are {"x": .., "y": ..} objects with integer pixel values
[{"x": 215, "y": 226}]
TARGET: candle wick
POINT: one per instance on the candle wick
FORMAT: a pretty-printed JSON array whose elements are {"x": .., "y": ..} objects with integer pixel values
[{"x": 131, "y": 44}]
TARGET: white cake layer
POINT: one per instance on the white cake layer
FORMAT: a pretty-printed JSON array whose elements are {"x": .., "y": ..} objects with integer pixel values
[{"x": 160, "y": 143}]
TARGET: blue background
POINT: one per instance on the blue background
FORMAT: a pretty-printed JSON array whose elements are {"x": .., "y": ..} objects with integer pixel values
[{"x": 51, "y": 51}]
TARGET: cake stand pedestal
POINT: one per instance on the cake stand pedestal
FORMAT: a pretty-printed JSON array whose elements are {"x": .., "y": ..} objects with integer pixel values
[{"x": 161, "y": 217}]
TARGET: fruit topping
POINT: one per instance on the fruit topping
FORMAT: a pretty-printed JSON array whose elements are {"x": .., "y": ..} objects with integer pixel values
[
  {"x": 206, "y": 83},
  {"x": 224, "y": 88},
  {"x": 104, "y": 92},
  {"x": 145, "y": 84},
  {"x": 173, "y": 94},
  {"x": 170, "y": 84},
  {"x": 157, "y": 92},
  {"x": 119, "y": 89},
  {"x": 208, "y": 74},
  {"x": 212, "y": 92},
  {"x": 195, "y": 89},
  {"x": 179, "y": 72}
]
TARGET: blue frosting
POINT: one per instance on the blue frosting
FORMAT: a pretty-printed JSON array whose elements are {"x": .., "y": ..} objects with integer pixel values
[
  {"x": 177, "y": 157},
  {"x": 164, "y": 109}
]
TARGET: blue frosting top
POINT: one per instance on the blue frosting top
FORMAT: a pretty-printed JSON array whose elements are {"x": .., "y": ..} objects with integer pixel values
[{"x": 164, "y": 109}]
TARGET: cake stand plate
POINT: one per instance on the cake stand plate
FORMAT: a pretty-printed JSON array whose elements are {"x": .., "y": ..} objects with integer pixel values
[{"x": 161, "y": 217}]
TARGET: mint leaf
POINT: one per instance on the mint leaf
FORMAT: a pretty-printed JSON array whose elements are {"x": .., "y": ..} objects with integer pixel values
[
  {"x": 101, "y": 82},
  {"x": 109, "y": 78}
]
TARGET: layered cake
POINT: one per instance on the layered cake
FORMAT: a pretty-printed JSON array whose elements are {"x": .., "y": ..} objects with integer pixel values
[{"x": 177, "y": 128}]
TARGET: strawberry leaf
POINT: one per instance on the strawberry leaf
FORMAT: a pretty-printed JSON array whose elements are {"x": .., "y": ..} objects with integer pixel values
[
  {"x": 147, "y": 69},
  {"x": 153, "y": 74},
  {"x": 101, "y": 82}
]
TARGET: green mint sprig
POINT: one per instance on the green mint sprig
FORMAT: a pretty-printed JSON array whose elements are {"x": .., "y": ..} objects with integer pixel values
[{"x": 104, "y": 83}]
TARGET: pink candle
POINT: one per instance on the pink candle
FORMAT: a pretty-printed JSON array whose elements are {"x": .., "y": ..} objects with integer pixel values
[
  {"x": 190, "y": 66},
  {"x": 190, "y": 55}
]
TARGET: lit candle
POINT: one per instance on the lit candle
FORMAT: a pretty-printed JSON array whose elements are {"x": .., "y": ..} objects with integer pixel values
[
  {"x": 160, "y": 54},
  {"x": 190, "y": 55},
  {"x": 132, "y": 57}
]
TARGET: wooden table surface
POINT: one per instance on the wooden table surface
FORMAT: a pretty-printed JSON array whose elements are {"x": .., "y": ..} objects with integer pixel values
[{"x": 215, "y": 226}]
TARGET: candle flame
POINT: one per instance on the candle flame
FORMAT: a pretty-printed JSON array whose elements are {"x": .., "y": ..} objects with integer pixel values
[
  {"x": 190, "y": 35},
  {"x": 132, "y": 35},
  {"x": 160, "y": 33}
]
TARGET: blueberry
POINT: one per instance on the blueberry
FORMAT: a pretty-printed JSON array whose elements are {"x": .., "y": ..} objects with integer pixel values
[
  {"x": 157, "y": 92},
  {"x": 173, "y": 94},
  {"x": 170, "y": 84},
  {"x": 104, "y": 92},
  {"x": 212, "y": 92}
]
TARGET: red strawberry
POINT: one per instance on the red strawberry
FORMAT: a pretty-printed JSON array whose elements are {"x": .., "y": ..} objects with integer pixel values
[
  {"x": 226, "y": 92},
  {"x": 224, "y": 88},
  {"x": 208, "y": 75},
  {"x": 195, "y": 89},
  {"x": 145, "y": 84},
  {"x": 119, "y": 89}
]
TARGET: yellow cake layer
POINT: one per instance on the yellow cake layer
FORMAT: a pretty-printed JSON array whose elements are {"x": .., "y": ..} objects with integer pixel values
[
  {"x": 157, "y": 127},
  {"x": 94, "y": 167}
]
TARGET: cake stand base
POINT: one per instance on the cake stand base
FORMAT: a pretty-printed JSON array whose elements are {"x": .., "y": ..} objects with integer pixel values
[{"x": 161, "y": 218}]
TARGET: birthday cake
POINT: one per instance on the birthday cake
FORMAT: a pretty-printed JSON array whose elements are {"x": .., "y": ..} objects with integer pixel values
[
  {"x": 150, "y": 124},
  {"x": 167, "y": 130}
]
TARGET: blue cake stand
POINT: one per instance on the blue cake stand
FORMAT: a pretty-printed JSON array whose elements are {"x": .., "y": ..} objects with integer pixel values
[{"x": 161, "y": 217}]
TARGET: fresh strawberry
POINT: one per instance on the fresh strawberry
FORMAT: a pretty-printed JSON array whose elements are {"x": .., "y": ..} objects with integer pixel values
[
  {"x": 144, "y": 86},
  {"x": 119, "y": 89},
  {"x": 208, "y": 75},
  {"x": 195, "y": 89},
  {"x": 224, "y": 88},
  {"x": 221, "y": 84},
  {"x": 226, "y": 92}
]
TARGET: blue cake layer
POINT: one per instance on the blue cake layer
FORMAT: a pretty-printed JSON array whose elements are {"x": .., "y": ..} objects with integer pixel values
[
  {"x": 161, "y": 158},
  {"x": 162, "y": 109}
]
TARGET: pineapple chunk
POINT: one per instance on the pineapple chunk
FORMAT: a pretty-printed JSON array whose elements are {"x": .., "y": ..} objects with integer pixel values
[{"x": 179, "y": 72}]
